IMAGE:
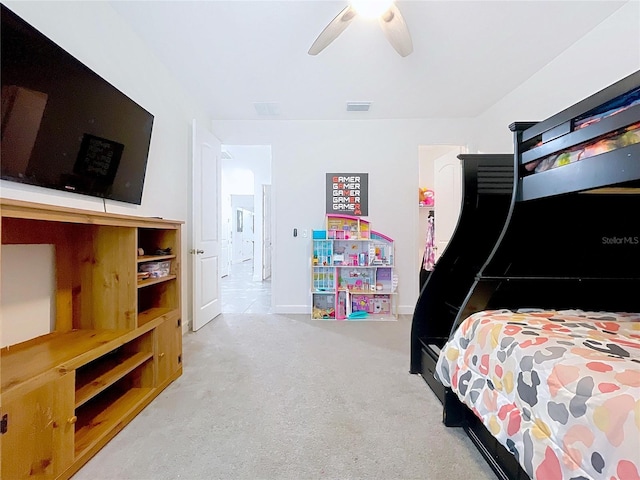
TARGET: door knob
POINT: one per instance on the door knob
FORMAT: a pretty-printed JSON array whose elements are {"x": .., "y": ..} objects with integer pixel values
[
  {"x": 199, "y": 251},
  {"x": 196, "y": 252}
]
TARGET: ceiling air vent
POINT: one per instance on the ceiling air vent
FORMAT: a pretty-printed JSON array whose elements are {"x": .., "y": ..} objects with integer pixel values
[
  {"x": 358, "y": 106},
  {"x": 269, "y": 109}
]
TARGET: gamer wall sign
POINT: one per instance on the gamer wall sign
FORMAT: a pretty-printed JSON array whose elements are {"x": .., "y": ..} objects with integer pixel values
[{"x": 348, "y": 194}]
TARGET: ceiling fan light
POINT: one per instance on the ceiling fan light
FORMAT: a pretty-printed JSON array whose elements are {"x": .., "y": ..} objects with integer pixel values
[{"x": 371, "y": 8}]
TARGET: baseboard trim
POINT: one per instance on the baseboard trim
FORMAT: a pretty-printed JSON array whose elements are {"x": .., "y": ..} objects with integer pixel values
[{"x": 292, "y": 309}]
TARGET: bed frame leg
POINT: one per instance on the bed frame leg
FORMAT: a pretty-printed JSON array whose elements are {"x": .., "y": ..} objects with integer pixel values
[{"x": 454, "y": 412}]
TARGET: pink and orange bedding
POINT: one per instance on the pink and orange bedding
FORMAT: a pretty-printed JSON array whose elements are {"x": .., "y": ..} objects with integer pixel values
[{"x": 559, "y": 389}]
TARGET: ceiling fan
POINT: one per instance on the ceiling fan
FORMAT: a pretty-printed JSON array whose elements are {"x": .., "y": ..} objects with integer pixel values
[{"x": 389, "y": 18}]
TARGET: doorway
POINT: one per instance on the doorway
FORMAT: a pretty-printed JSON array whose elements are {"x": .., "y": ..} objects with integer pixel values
[
  {"x": 440, "y": 174},
  {"x": 246, "y": 229}
]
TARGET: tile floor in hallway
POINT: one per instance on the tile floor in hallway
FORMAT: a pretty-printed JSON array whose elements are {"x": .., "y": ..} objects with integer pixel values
[{"x": 242, "y": 294}]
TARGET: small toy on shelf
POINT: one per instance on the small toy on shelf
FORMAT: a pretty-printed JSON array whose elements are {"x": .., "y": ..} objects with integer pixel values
[
  {"x": 325, "y": 313},
  {"x": 359, "y": 303},
  {"x": 426, "y": 197},
  {"x": 380, "y": 304}
]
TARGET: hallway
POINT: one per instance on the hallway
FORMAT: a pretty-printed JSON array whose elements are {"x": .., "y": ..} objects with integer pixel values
[{"x": 241, "y": 294}]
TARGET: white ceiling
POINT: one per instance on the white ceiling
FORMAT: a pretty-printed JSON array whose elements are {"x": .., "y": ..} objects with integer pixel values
[{"x": 467, "y": 54}]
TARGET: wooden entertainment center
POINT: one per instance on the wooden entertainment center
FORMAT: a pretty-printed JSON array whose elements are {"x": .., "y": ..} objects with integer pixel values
[{"x": 116, "y": 345}]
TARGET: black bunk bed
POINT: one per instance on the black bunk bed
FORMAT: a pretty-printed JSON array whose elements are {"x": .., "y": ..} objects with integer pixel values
[
  {"x": 568, "y": 255},
  {"x": 486, "y": 195}
]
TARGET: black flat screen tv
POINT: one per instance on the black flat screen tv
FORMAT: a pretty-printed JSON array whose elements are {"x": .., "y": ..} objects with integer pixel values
[{"x": 63, "y": 126}]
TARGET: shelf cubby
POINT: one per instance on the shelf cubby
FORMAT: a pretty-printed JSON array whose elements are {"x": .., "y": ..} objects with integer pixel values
[
  {"x": 151, "y": 240},
  {"x": 158, "y": 293},
  {"x": 98, "y": 417},
  {"x": 101, "y": 373}
]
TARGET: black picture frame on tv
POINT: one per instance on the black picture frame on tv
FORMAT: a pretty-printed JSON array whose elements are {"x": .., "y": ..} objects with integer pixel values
[{"x": 63, "y": 126}]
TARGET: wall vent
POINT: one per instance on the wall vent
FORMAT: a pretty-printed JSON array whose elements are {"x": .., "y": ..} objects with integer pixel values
[
  {"x": 358, "y": 106},
  {"x": 269, "y": 109},
  {"x": 226, "y": 155}
]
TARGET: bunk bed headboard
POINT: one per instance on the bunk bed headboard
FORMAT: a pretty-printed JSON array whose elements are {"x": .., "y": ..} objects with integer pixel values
[{"x": 572, "y": 236}]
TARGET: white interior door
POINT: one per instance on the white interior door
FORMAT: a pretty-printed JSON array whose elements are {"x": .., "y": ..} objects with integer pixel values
[
  {"x": 247, "y": 236},
  {"x": 224, "y": 251},
  {"x": 206, "y": 227},
  {"x": 225, "y": 236},
  {"x": 266, "y": 231},
  {"x": 448, "y": 198}
]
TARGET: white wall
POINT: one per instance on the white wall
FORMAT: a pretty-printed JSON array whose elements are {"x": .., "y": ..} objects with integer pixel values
[
  {"x": 303, "y": 151},
  {"x": 95, "y": 34}
]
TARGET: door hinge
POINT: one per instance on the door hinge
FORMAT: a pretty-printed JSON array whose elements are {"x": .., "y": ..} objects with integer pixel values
[{"x": 3, "y": 424}]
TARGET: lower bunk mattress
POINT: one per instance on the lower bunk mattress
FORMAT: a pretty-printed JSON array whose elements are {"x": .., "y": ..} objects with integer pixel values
[{"x": 560, "y": 390}]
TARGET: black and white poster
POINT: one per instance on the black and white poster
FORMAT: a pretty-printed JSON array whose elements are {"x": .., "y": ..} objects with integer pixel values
[{"x": 348, "y": 194}]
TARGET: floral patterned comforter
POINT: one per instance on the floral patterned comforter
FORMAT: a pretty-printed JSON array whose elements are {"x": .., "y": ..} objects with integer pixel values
[{"x": 559, "y": 389}]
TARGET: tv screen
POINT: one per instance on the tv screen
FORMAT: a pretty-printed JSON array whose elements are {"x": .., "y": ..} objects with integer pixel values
[{"x": 63, "y": 126}]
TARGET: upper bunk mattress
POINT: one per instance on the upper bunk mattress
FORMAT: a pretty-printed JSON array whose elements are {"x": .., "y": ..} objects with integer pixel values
[{"x": 559, "y": 389}]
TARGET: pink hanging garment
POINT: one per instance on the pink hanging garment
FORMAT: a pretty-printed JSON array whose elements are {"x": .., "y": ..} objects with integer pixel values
[{"x": 429, "y": 257}]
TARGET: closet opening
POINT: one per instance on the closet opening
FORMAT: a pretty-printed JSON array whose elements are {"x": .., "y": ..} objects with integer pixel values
[{"x": 440, "y": 200}]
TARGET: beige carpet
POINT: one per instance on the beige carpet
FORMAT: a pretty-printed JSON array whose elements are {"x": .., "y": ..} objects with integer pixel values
[{"x": 287, "y": 397}]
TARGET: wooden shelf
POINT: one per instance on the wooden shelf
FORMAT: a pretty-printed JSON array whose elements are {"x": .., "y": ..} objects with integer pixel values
[
  {"x": 154, "y": 258},
  {"x": 154, "y": 281},
  {"x": 90, "y": 383},
  {"x": 115, "y": 344},
  {"x": 27, "y": 360},
  {"x": 109, "y": 410},
  {"x": 153, "y": 313},
  {"x": 54, "y": 213}
]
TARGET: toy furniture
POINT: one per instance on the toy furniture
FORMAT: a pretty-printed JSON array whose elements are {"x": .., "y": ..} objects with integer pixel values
[{"x": 352, "y": 271}]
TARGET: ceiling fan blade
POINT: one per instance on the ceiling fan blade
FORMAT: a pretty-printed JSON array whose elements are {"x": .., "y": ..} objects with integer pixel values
[
  {"x": 396, "y": 31},
  {"x": 331, "y": 31}
]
